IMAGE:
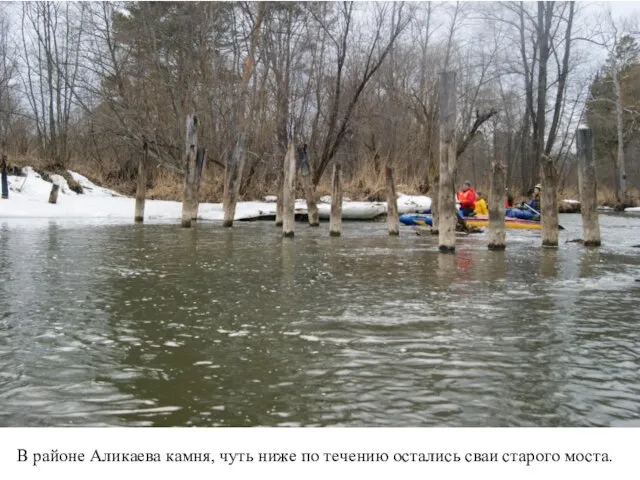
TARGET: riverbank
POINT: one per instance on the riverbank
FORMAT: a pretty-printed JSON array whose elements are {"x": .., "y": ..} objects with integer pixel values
[
  {"x": 28, "y": 198},
  {"x": 79, "y": 197}
]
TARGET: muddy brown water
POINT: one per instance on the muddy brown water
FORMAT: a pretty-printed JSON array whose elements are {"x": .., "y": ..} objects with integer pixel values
[{"x": 154, "y": 325}]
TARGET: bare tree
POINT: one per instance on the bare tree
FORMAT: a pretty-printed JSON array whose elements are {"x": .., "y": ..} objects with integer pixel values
[
  {"x": 283, "y": 45},
  {"x": 612, "y": 34},
  {"x": 345, "y": 97},
  {"x": 343, "y": 74},
  {"x": 236, "y": 160},
  {"x": 8, "y": 104},
  {"x": 51, "y": 38}
]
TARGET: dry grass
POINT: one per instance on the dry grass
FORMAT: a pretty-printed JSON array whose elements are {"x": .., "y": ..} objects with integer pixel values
[
  {"x": 368, "y": 185},
  {"x": 167, "y": 186},
  {"x": 363, "y": 186},
  {"x": 22, "y": 161}
]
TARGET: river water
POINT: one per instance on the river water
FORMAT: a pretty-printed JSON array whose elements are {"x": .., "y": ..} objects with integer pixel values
[{"x": 125, "y": 325}]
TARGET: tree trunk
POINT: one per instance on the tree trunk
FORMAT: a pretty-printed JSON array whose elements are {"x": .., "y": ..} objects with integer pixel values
[
  {"x": 392, "y": 204},
  {"x": 587, "y": 184},
  {"x": 335, "y": 222},
  {"x": 309, "y": 188},
  {"x": 235, "y": 163},
  {"x": 497, "y": 237},
  {"x": 283, "y": 112},
  {"x": 288, "y": 192},
  {"x": 527, "y": 163},
  {"x": 621, "y": 173},
  {"x": 279, "y": 200},
  {"x": 141, "y": 188},
  {"x": 446, "y": 192},
  {"x": 189, "y": 192},
  {"x": 549, "y": 203},
  {"x": 53, "y": 196}
]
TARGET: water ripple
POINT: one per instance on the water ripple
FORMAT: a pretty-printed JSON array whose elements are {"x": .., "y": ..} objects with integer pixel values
[{"x": 156, "y": 325}]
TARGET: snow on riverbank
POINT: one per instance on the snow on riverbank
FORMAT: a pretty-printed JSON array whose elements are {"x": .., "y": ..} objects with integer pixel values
[{"x": 28, "y": 198}]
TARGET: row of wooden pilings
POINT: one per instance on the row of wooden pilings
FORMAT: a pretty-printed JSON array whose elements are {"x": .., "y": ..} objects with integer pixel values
[
  {"x": 444, "y": 211},
  {"x": 445, "y": 215},
  {"x": 335, "y": 220},
  {"x": 285, "y": 217},
  {"x": 194, "y": 165}
]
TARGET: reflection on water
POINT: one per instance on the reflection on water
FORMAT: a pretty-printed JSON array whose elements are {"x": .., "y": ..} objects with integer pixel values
[
  {"x": 549, "y": 264},
  {"x": 157, "y": 325}
]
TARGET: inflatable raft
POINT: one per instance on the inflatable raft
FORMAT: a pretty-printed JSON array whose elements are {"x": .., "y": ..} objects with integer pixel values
[
  {"x": 476, "y": 221},
  {"x": 364, "y": 210}
]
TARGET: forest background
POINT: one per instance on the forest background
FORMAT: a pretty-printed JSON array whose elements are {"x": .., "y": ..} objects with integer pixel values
[{"x": 85, "y": 85}]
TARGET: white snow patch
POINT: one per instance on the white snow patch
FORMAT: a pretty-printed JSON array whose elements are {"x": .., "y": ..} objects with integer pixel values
[
  {"x": 573, "y": 202},
  {"x": 91, "y": 188},
  {"x": 29, "y": 196},
  {"x": 327, "y": 199},
  {"x": 61, "y": 182}
]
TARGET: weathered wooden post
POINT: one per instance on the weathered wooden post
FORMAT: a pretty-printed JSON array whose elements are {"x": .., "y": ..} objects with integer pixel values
[
  {"x": 279, "y": 203},
  {"x": 309, "y": 190},
  {"x": 5, "y": 182},
  {"x": 201, "y": 157},
  {"x": 141, "y": 187},
  {"x": 188, "y": 194},
  {"x": 435, "y": 217},
  {"x": 434, "y": 187},
  {"x": 53, "y": 196},
  {"x": 392, "y": 203},
  {"x": 497, "y": 237},
  {"x": 587, "y": 185},
  {"x": 335, "y": 222},
  {"x": 288, "y": 192},
  {"x": 446, "y": 190},
  {"x": 235, "y": 164},
  {"x": 549, "y": 203}
]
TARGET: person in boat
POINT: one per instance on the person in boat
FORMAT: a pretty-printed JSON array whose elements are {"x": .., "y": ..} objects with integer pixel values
[
  {"x": 467, "y": 199},
  {"x": 481, "y": 205},
  {"x": 534, "y": 201}
]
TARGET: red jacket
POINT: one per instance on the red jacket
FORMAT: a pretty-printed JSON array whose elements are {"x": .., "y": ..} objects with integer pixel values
[{"x": 467, "y": 199}]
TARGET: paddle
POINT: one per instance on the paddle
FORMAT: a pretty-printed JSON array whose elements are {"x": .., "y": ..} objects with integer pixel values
[{"x": 560, "y": 227}]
